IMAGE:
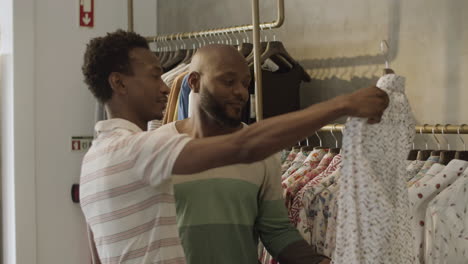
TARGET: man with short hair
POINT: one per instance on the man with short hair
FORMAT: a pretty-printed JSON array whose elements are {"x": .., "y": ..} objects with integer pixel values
[
  {"x": 222, "y": 212},
  {"x": 126, "y": 187}
]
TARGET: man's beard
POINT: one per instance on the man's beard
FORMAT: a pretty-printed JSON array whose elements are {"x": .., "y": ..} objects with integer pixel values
[{"x": 216, "y": 110}]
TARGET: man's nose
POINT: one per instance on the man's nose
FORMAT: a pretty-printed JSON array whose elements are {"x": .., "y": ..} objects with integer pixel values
[
  {"x": 165, "y": 89},
  {"x": 241, "y": 91}
]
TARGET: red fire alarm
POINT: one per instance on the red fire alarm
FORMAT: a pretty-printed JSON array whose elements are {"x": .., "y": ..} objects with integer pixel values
[{"x": 87, "y": 13}]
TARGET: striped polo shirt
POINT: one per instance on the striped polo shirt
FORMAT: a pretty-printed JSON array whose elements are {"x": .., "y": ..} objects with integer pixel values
[
  {"x": 127, "y": 194},
  {"x": 222, "y": 213}
]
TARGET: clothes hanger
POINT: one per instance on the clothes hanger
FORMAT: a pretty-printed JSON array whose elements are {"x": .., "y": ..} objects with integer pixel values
[
  {"x": 308, "y": 147},
  {"x": 245, "y": 48},
  {"x": 277, "y": 58},
  {"x": 320, "y": 142},
  {"x": 296, "y": 148},
  {"x": 435, "y": 152},
  {"x": 158, "y": 50},
  {"x": 189, "y": 54},
  {"x": 413, "y": 154},
  {"x": 423, "y": 155},
  {"x": 446, "y": 155},
  {"x": 163, "y": 53},
  {"x": 461, "y": 155},
  {"x": 385, "y": 49},
  {"x": 335, "y": 150},
  {"x": 178, "y": 56}
]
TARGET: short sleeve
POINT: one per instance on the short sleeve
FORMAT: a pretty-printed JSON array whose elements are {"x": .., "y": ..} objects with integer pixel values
[{"x": 158, "y": 154}]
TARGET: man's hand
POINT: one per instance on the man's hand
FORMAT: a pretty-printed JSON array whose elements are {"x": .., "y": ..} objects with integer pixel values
[{"x": 367, "y": 103}]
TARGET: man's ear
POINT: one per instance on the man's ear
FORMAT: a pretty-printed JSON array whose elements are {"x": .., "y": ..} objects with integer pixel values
[
  {"x": 116, "y": 82},
  {"x": 194, "y": 80}
]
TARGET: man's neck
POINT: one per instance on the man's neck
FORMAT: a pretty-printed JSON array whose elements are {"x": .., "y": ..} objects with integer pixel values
[
  {"x": 201, "y": 125},
  {"x": 112, "y": 113}
]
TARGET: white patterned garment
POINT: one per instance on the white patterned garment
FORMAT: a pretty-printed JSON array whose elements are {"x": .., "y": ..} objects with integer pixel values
[
  {"x": 373, "y": 222},
  {"x": 447, "y": 224},
  {"x": 420, "y": 196}
]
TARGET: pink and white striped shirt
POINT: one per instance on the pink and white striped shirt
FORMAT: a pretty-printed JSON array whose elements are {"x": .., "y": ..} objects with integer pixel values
[{"x": 127, "y": 195}]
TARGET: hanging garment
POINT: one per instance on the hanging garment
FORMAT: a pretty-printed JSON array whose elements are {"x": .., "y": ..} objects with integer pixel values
[
  {"x": 427, "y": 165},
  {"x": 413, "y": 168},
  {"x": 182, "y": 111},
  {"x": 320, "y": 223},
  {"x": 296, "y": 164},
  {"x": 173, "y": 97},
  {"x": 433, "y": 171},
  {"x": 170, "y": 76},
  {"x": 281, "y": 93},
  {"x": 330, "y": 237},
  {"x": 301, "y": 205},
  {"x": 310, "y": 163},
  {"x": 284, "y": 152},
  {"x": 422, "y": 195},
  {"x": 289, "y": 160},
  {"x": 447, "y": 225},
  {"x": 373, "y": 222},
  {"x": 297, "y": 184}
]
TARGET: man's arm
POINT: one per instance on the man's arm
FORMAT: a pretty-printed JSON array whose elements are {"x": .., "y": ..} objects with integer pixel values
[
  {"x": 300, "y": 252},
  {"x": 264, "y": 138},
  {"x": 278, "y": 235}
]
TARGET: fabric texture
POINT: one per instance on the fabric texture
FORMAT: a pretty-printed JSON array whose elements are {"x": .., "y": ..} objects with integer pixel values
[
  {"x": 413, "y": 168},
  {"x": 289, "y": 160},
  {"x": 447, "y": 224},
  {"x": 427, "y": 165},
  {"x": 422, "y": 195},
  {"x": 373, "y": 224},
  {"x": 170, "y": 76},
  {"x": 127, "y": 194},
  {"x": 330, "y": 237},
  {"x": 433, "y": 171},
  {"x": 300, "y": 182},
  {"x": 296, "y": 164},
  {"x": 302, "y": 207},
  {"x": 309, "y": 164}
]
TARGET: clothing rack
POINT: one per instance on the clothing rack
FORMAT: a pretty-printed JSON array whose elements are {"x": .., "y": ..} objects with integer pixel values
[
  {"x": 255, "y": 27},
  {"x": 420, "y": 129}
]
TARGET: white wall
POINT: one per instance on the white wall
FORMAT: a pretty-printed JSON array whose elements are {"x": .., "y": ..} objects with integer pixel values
[
  {"x": 338, "y": 42},
  {"x": 47, "y": 104},
  {"x": 6, "y": 76}
]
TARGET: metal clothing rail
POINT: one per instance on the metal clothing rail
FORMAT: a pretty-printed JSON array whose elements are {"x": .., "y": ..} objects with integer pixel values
[
  {"x": 423, "y": 129},
  {"x": 204, "y": 33}
]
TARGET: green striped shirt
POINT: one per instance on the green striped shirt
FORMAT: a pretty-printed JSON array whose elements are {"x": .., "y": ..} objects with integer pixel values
[{"x": 222, "y": 212}]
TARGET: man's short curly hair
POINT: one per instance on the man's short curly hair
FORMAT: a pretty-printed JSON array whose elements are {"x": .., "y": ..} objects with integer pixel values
[{"x": 108, "y": 54}]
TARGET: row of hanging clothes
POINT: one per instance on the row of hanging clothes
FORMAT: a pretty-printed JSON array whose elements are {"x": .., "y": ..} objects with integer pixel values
[
  {"x": 281, "y": 75},
  {"x": 437, "y": 182}
]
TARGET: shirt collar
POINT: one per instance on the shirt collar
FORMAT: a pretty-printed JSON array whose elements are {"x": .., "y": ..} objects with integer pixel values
[{"x": 111, "y": 124}]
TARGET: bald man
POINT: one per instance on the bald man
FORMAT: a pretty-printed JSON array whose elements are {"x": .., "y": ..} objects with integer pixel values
[
  {"x": 224, "y": 211},
  {"x": 126, "y": 188}
]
